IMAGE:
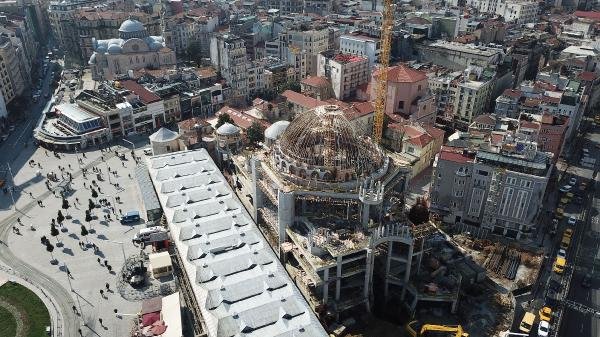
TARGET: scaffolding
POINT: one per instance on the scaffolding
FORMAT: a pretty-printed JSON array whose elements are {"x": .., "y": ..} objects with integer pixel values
[{"x": 494, "y": 195}]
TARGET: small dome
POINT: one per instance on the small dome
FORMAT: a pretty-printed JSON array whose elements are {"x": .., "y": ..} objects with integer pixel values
[
  {"x": 228, "y": 130},
  {"x": 115, "y": 49},
  {"x": 163, "y": 135},
  {"x": 274, "y": 131},
  {"x": 130, "y": 26}
]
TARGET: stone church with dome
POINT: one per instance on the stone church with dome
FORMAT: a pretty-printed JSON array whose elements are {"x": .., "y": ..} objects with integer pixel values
[{"x": 133, "y": 50}]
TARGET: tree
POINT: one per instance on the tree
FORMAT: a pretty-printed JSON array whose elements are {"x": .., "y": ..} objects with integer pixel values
[
  {"x": 54, "y": 232},
  {"x": 60, "y": 218},
  {"x": 50, "y": 249},
  {"x": 65, "y": 206},
  {"x": 419, "y": 212},
  {"x": 91, "y": 205},
  {"x": 84, "y": 232},
  {"x": 88, "y": 216},
  {"x": 224, "y": 118},
  {"x": 194, "y": 52},
  {"x": 94, "y": 194},
  {"x": 255, "y": 133}
]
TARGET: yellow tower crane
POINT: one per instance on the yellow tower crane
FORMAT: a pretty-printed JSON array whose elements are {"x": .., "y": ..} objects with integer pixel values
[{"x": 384, "y": 61}]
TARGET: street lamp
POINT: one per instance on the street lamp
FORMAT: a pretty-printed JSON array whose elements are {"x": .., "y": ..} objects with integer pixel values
[
  {"x": 71, "y": 287},
  {"x": 122, "y": 248},
  {"x": 132, "y": 145},
  {"x": 12, "y": 186}
]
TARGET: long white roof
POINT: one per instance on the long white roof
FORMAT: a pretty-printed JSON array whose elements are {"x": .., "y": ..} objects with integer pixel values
[{"x": 240, "y": 285}]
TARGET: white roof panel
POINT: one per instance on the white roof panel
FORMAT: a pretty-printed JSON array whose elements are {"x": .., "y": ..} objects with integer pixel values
[{"x": 239, "y": 283}]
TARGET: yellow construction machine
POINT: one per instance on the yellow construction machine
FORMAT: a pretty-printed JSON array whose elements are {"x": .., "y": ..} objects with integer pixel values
[{"x": 416, "y": 329}]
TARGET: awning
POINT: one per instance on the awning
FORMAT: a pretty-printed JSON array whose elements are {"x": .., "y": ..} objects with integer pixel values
[
  {"x": 151, "y": 305},
  {"x": 148, "y": 319}
]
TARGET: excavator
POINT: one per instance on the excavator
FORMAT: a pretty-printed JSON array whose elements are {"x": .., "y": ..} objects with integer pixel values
[{"x": 416, "y": 329}]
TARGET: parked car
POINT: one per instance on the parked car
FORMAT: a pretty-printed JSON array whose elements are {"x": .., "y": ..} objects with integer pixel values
[
  {"x": 545, "y": 314},
  {"x": 573, "y": 181},
  {"x": 572, "y": 221},
  {"x": 562, "y": 253},
  {"x": 543, "y": 329},
  {"x": 566, "y": 188}
]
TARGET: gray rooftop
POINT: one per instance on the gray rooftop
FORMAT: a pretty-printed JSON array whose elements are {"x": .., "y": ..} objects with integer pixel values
[
  {"x": 240, "y": 285},
  {"x": 75, "y": 113},
  {"x": 146, "y": 188}
]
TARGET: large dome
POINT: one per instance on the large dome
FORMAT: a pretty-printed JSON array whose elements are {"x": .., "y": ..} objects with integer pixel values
[
  {"x": 130, "y": 26},
  {"x": 321, "y": 144}
]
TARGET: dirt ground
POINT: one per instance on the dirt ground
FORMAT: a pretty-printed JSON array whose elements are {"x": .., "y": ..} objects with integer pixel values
[{"x": 371, "y": 326}]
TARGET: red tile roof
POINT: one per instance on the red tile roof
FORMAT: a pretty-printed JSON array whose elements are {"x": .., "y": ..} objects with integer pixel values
[
  {"x": 316, "y": 81},
  {"x": 588, "y": 15},
  {"x": 587, "y": 76},
  {"x": 145, "y": 95},
  {"x": 512, "y": 93},
  {"x": 404, "y": 74},
  {"x": 241, "y": 119},
  {"x": 454, "y": 155},
  {"x": 302, "y": 100}
]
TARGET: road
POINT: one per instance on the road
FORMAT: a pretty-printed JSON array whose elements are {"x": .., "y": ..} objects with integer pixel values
[
  {"x": 14, "y": 147},
  {"x": 575, "y": 322}
]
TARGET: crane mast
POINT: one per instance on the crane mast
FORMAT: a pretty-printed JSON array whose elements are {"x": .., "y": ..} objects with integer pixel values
[{"x": 384, "y": 61}]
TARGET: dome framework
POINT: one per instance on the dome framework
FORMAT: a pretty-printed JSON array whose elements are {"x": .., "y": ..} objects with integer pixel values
[{"x": 321, "y": 144}]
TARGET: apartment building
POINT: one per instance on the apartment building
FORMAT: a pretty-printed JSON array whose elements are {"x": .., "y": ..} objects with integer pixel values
[
  {"x": 458, "y": 56},
  {"x": 519, "y": 12},
  {"x": 62, "y": 16},
  {"x": 346, "y": 72},
  {"x": 472, "y": 95},
  {"x": 300, "y": 48},
  {"x": 228, "y": 55},
  {"x": 103, "y": 24},
  {"x": 12, "y": 76},
  {"x": 499, "y": 187},
  {"x": 361, "y": 45},
  {"x": 184, "y": 29}
]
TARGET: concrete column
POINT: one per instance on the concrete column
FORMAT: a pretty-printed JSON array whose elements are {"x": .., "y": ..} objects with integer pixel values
[
  {"x": 420, "y": 256},
  {"x": 257, "y": 196},
  {"x": 325, "y": 285},
  {"x": 348, "y": 211},
  {"x": 365, "y": 215},
  {"x": 285, "y": 214},
  {"x": 408, "y": 266},
  {"x": 368, "y": 273},
  {"x": 388, "y": 264},
  {"x": 338, "y": 281}
]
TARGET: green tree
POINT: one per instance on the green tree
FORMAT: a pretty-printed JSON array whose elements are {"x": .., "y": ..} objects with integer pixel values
[
  {"x": 224, "y": 118},
  {"x": 65, "y": 206},
  {"x": 84, "y": 232},
  {"x": 194, "y": 52},
  {"x": 91, "y": 204},
  {"x": 419, "y": 212},
  {"x": 60, "y": 218},
  {"x": 88, "y": 216},
  {"x": 50, "y": 249},
  {"x": 255, "y": 133},
  {"x": 54, "y": 232}
]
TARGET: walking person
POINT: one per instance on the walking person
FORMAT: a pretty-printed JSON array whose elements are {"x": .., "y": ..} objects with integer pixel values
[{"x": 107, "y": 286}]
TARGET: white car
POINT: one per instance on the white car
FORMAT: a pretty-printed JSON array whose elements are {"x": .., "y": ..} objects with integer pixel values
[
  {"x": 573, "y": 181},
  {"x": 543, "y": 329},
  {"x": 572, "y": 221},
  {"x": 562, "y": 253},
  {"x": 566, "y": 188}
]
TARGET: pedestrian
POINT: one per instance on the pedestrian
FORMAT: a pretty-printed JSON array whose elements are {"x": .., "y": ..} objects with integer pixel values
[
  {"x": 19, "y": 221},
  {"x": 69, "y": 166},
  {"x": 80, "y": 333},
  {"x": 120, "y": 211},
  {"x": 107, "y": 286},
  {"x": 99, "y": 189},
  {"x": 101, "y": 292},
  {"x": 77, "y": 200},
  {"x": 99, "y": 261},
  {"x": 83, "y": 155},
  {"x": 100, "y": 319},
  {"x": 39, "y": 165},
  {"x": 84, "y": 185},
  {"x": 46, "y": 151},
  {"x": 74, "y": 309},
  {"x": 105, "y": 263},
  {"x": 123, "y": 163},
  {"x": 31, "y": 194}
]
